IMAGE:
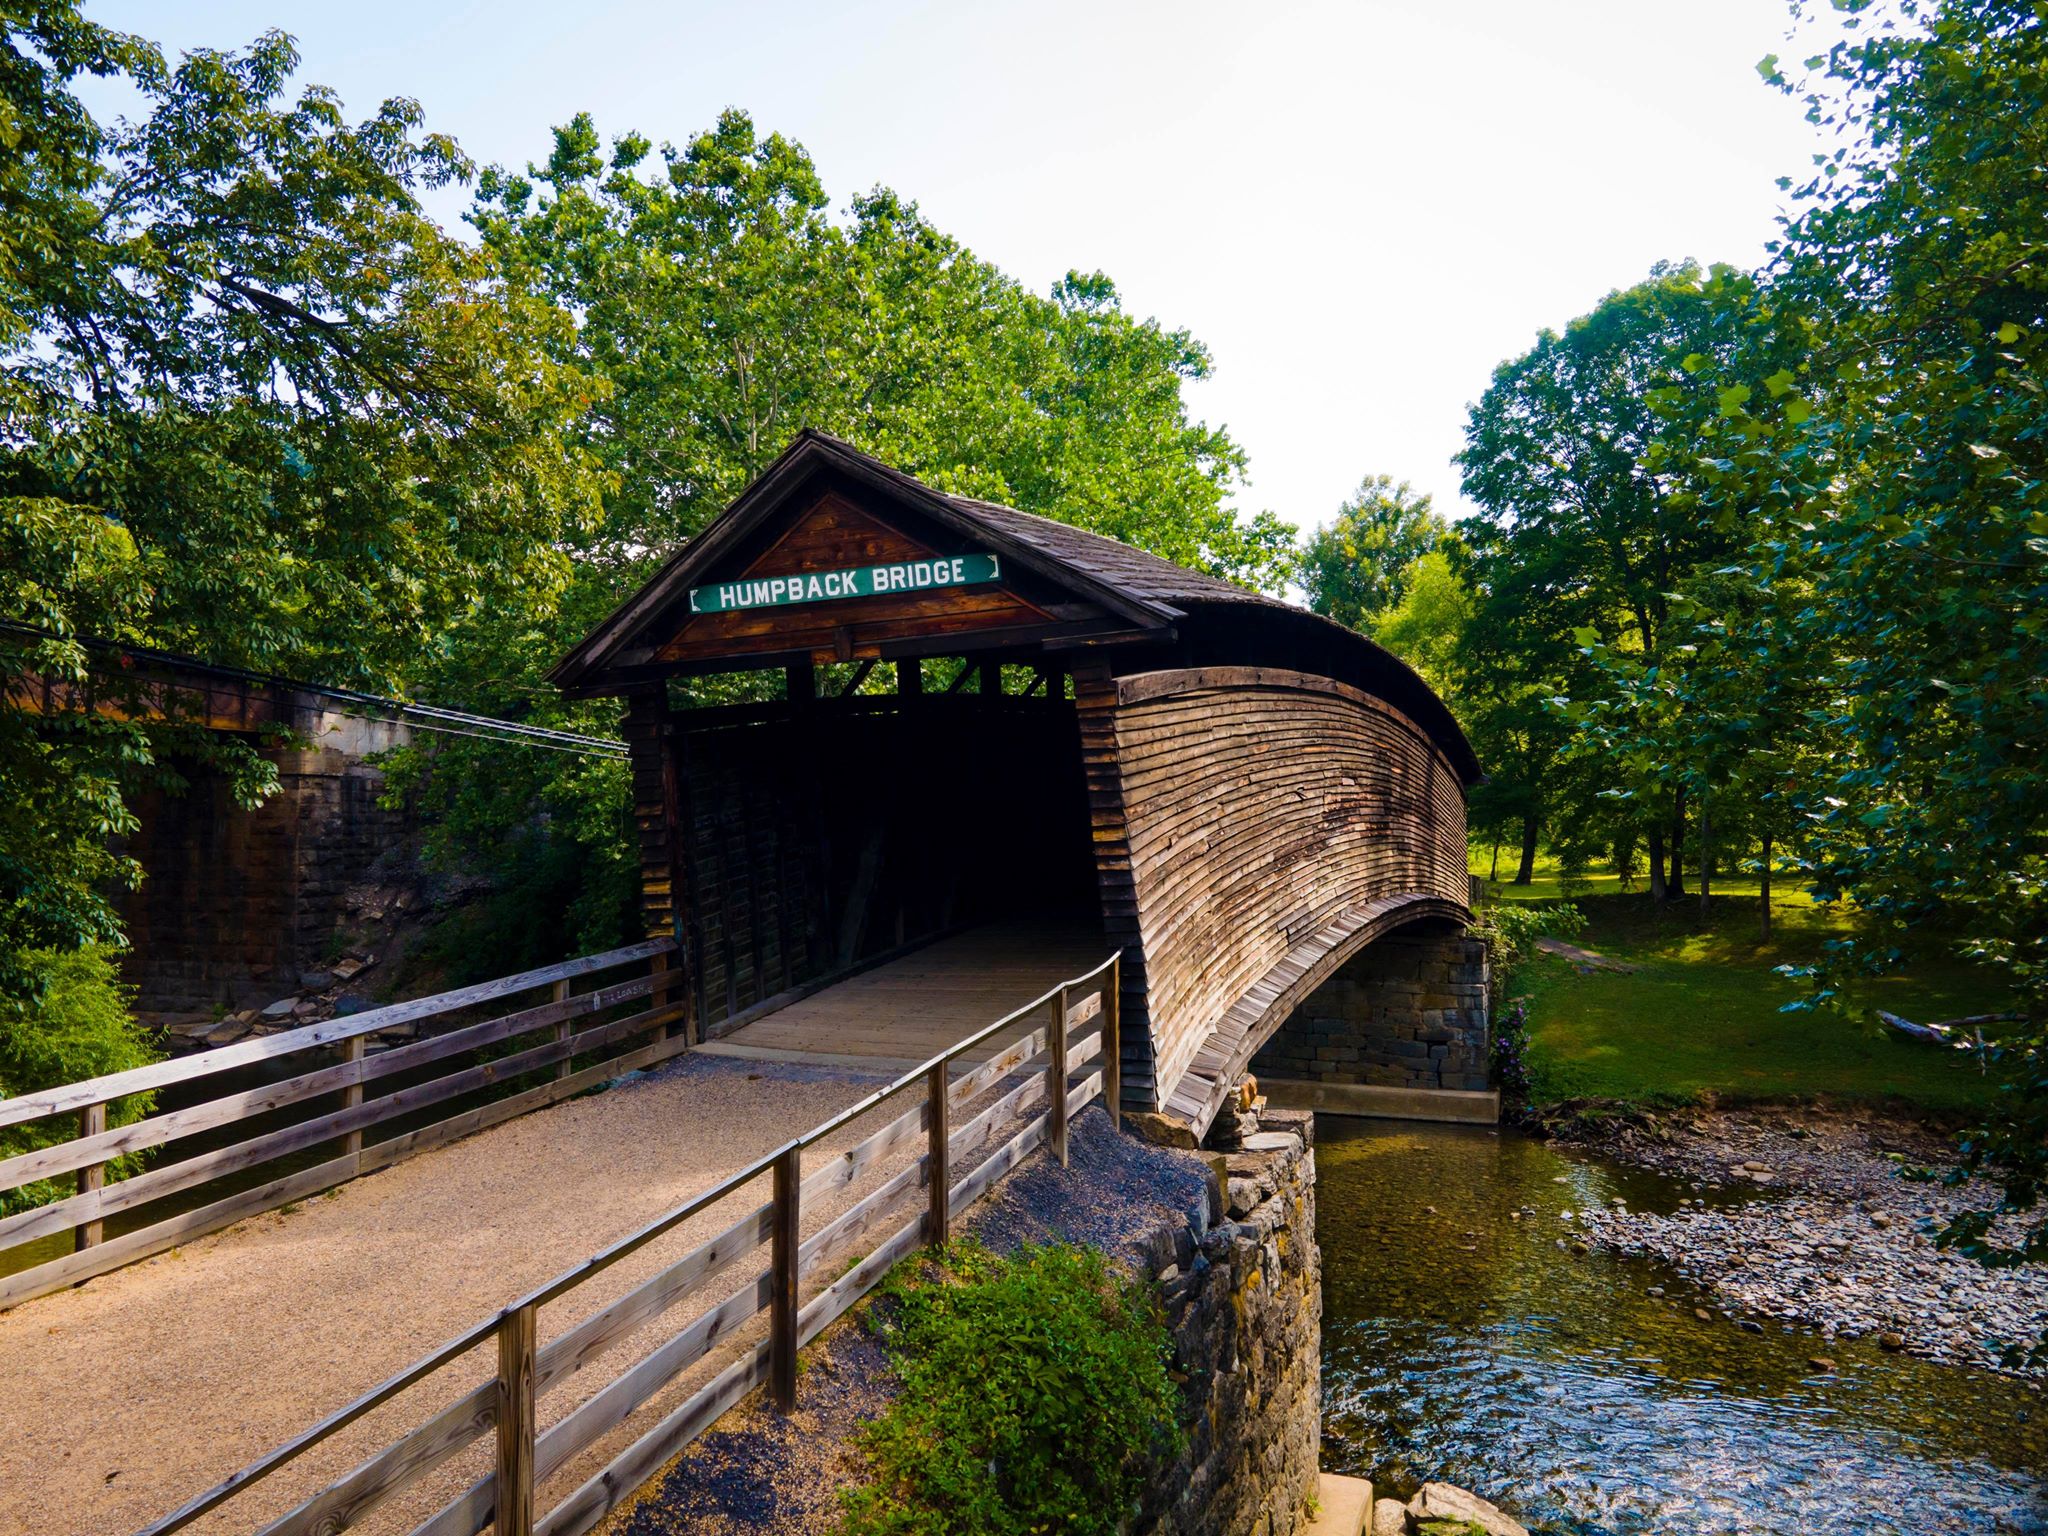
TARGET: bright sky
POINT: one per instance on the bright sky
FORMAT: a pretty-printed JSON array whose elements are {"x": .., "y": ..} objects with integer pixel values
[{"x": 1361, "y": 208}]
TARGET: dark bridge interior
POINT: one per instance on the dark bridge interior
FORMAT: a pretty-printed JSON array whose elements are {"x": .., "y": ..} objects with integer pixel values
[{"x": 823, "y": 833}]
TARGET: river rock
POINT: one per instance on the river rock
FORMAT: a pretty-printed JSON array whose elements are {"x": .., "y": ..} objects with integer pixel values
[
  {"x": 1160, "y": 1130},
  {"x": 1389, "y": 1518},
  {"x": 1442, "y": 1502},
  {"x": 281, "y": 1009}
]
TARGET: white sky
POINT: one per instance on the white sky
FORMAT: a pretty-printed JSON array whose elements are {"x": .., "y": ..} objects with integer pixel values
[{"x": 1360, "y": 208}]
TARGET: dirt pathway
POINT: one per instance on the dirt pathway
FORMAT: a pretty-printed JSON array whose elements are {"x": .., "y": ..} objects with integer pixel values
[{"x": 128, "y": 1395}]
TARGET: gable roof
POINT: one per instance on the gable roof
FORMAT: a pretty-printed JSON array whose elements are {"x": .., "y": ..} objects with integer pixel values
[{"x": 1150, "y": 593}]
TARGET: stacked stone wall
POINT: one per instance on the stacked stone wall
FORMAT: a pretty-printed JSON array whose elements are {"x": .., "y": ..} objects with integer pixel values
[
  {"x": 1243, "y": 1298},
  {"x": 1409, "y": 1011},
  {"x": 235, "y": 904}
]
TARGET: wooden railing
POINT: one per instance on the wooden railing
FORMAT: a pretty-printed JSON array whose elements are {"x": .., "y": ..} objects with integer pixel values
[
  {"x": 526, "y": 1455},
  {"x": 331, "y": 1064}
]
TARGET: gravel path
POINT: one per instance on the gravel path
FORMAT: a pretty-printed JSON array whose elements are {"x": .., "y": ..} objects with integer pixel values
[
  {"x": 130, "y": 1394},
  {"x": 1846, "y": 1245}
]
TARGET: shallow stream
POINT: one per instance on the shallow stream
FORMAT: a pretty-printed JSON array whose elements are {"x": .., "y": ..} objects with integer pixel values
[{"x": 1462, "y": 1344}]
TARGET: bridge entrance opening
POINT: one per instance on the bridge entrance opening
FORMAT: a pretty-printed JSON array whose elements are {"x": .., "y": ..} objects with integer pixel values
[{"x": 821, "y": 835}]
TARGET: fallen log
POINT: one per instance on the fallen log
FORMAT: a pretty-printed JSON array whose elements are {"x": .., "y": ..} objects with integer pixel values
[{"x": 1944, "y": 1032}]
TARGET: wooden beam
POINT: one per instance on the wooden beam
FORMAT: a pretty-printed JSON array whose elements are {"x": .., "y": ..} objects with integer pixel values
[
  {"x": 782, "y": 1279},
  {"x": 516, "y": 1336},
  {"x": 800, "y": 683},
  {"x": 910, "y": 677},
  {"x": 1056, "y": 1077},
  {"x": 938, "y": 1164},
  {"x": 991, "y": 683},
  {"x": 860, "y": 675},
  {"x": 92, "y": 1120}
]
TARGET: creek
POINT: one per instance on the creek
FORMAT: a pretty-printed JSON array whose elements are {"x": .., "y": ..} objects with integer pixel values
[{"x": 1461, "y": 1343}]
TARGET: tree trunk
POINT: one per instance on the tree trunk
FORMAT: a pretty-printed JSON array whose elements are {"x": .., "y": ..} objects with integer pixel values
[
  {"x": 1706, "y": 858},
  {"x": 1655, "y": 838},
  {"x": 1764, "y": 890},
  {"x": 1527, "y": 872},
  {"x": 1676, "y": 885},
  {"x": 1493, "y": 874}
]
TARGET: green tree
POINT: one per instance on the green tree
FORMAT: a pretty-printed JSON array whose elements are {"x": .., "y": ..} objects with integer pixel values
[
  {"x": 726, "y": 308},
  {"x": 254, "y": 406},
  {"x": 1903, "y": 480},
  {"x": 1426, "y": 628},
  {"x": 1579, "y": 456},
  {"x": 1357, "y": 568}
]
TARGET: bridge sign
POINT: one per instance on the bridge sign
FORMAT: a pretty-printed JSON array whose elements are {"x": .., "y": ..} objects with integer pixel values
[{"x": 861, "y": 581}]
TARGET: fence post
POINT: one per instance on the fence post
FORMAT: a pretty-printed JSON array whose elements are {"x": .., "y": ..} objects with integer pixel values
[
  {"x": 560, "y": 994},
  {"x": 939, "y": 1162},
  {"x": 1112, "y": 1043},
  {"x": 352, "y": 1095},
  {"x": 1056, "y": 1077},
  {"x": 91, "y": 1121},
  {"x": 516, "y": 1332},
  {"x": 782, "y": 1280}
]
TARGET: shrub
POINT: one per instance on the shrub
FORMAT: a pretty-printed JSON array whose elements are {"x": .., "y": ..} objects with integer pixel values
[
  {"x": 1034, "y": 1394},
  {"x": 77, "y": 1027},
  {"x": 1511, "y": 1053},
  {"x": 1510, "y": 931}
]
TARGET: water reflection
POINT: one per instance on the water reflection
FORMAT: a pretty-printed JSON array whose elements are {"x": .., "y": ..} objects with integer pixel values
[{"x": 1460, "y": 1342}]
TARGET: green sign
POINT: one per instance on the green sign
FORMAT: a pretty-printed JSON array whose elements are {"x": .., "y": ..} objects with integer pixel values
[{"x": 861, "y": 581}]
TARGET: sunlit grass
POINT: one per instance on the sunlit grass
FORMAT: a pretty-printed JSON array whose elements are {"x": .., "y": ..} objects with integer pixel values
[{"x": 1700, "y": 1012}]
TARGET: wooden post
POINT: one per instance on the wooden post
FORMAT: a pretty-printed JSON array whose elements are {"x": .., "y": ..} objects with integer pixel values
[
  {"x": 351, "y": 1096},
  {"x": 782, "y": 1282},
  {"x": 1056, "y": 1078},
  {"x": 939, "y": 1164},
  {"x": 516, "y": 1337},
  {"x": 991, "y": 678},
  {"x": 800, "y": 684},
  {"x": 1113, "y": 1045},
  {"x": 91, "y": 1121},
  {"x": 909, "y": 677},
  {"x": 560, "y": 994}
]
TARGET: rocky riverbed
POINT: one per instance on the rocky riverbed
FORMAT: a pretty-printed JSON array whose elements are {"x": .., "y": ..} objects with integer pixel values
[{"x": 1805, "y": 1216}]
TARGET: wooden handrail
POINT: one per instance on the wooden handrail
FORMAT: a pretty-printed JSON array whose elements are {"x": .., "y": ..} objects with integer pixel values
[
  {"x": 86, "y": 1155},
  {"x": 504, "y": 1406},
  {"x": 161, "y": 1074}
]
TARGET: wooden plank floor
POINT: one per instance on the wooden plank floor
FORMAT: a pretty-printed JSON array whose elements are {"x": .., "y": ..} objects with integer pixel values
[{"x": 909, "y": 1010}]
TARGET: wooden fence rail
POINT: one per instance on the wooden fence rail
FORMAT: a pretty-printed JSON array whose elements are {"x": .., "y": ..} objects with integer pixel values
[
  {"x": 326, "y": 1061},
  {"x": 1038, "y": 1067}
]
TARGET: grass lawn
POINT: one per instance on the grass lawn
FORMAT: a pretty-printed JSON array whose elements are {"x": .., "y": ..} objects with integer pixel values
[{"x": 1699, "y": 1014}]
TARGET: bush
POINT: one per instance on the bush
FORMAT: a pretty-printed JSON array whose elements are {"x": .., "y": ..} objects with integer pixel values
[
  {"x": 77, "y": 1027},
  {"x": 1510, "y": 931},
  {"x": 1034, "y": 1394}
]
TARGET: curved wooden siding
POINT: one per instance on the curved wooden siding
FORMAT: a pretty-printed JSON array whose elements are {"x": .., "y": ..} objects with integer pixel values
[{"x": 1257, "y": 804}]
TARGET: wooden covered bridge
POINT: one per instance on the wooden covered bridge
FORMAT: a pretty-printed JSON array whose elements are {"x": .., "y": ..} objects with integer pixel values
[
  {"x": 953, "y": 822},
  {"x": 964, "y": 719}
]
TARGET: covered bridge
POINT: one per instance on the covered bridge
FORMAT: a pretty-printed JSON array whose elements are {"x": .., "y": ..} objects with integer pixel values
[{"x": 1075, "y": 738}]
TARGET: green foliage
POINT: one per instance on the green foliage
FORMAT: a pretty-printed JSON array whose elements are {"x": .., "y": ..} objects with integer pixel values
[
  {"x": 1359, "y": 568},
  {"x": 1034, "y": 1394},
  {"x": 726, "y": 309},
  {"x": 254, "y": 406},
  {"x": 1510, "y": 929},
  {"x": 79, "y": 1027},
  {"x": 1426, "y": 628}
]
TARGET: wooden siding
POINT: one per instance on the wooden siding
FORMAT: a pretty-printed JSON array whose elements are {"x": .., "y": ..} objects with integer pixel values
[
  {"x": 646, "y": 729},
  {"x": 1256, "y": 805},
  {"x": 1095, "y": 706}
]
